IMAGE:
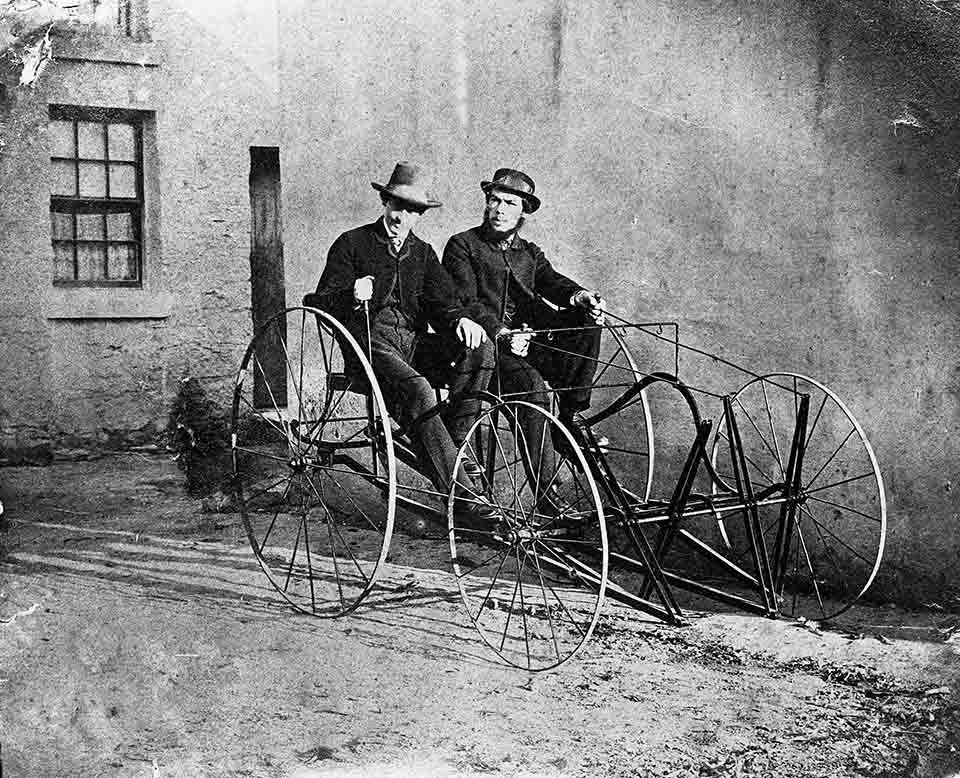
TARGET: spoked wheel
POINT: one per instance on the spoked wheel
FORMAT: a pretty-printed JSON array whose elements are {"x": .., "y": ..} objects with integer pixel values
[
  {"x": 533, "y": 577},
  {"x": 314, "y": 471},
  {"x": 824, "y": 530}
]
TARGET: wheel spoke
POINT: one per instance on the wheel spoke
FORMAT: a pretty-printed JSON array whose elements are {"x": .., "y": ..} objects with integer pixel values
[
  {"x": 513, "y": 604},
  {"x": 273, "y": 521},
  {"x": 773, "y": 429},
  {"x": 813, "y": 480},
  {"x": 773, "y": 452},
  {"x": 276, "y": 405},
  {"x": 487, "y": 597},
  {"x": 335, "y": 530},
  {"x": 503, "y": 454},
  {"x": 816, "y": 421},
  {"x": 546, "y": 605},
  {"x": 813, "y": 573},
  {"x": 821, "y": 527},
  {"x": 848, "y": 509}
]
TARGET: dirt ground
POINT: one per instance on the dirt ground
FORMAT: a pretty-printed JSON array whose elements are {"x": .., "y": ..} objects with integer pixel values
[{"x": 138, "y": 637}]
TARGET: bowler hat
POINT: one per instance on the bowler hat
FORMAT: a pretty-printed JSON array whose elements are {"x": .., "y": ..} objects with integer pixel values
[
  {"x": 409, "y": 184},
  {"x": 515, "y": 182}
]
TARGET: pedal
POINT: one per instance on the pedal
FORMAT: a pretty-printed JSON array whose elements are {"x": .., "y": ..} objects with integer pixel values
[{"x": 471, "y": 469}]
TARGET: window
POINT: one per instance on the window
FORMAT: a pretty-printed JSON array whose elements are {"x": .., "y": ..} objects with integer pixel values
[
  {"x": 96, "y": 202},
  {"x": 114, "y": 15}
]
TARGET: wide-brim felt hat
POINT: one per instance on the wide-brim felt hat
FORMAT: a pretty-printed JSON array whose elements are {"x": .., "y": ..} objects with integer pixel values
[
  {"x": 515, "y": 182},
  {"x": 408, "y": 183}
]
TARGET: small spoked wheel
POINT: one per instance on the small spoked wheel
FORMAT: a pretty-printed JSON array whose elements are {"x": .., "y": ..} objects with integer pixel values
[
  {"x": 823, "y": 531},
  {"x": 532, "y": 572},
  {"x": 314, "y": 471}
]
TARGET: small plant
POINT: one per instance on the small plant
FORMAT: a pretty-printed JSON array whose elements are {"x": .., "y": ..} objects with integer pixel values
[{"x": 198, "y": 433}]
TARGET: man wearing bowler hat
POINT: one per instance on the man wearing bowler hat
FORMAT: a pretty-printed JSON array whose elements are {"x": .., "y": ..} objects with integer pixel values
[
  {"x": 386, "y": 268},
  {"x": 502, "y": 281}
]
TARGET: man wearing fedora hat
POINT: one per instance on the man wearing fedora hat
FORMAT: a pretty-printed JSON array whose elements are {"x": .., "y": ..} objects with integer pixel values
[
  {"x": 385, "y": 272},
  {"x": 502, "y": 281}
]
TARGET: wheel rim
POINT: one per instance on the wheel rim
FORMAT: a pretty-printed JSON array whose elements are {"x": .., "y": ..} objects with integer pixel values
[
  {"x": 630, "y": 451},
  {"x": 533, "y": 579},
  {"x": 317, "y": 504},
  {"x": 833, "y": 552}
]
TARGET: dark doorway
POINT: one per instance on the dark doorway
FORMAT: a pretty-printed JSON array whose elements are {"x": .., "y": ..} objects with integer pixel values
[{"x": 266, "y": 273}]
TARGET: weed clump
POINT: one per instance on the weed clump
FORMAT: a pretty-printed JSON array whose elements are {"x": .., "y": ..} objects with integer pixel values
[{"x": 199, "y": 435}]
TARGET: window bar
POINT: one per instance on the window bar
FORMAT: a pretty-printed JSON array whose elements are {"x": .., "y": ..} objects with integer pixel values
[
  {"x": 105, "y": 128},
  {"x": 141, "y": 198},
  {"x": 76, "y": 190},
  {"x": 125, "y": 17}
]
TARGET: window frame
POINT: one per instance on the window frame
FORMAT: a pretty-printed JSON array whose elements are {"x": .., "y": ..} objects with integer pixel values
[
  {"x": 77, "y": 204},
  {"x": 128, "y": 23}
]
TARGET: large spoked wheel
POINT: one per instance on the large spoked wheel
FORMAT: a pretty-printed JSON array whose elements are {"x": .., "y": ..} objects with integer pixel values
[
  {"x": 824, "y": 535},
  {"x": 532, "y": 577},
  {"x": 314, "y": 471}
]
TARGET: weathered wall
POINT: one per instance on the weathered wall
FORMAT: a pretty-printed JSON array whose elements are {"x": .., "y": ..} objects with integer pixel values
[
  {"x": 728, "y": 165},
  {"x": 87, "y": 367},
  {"x": 893, "y": 229},
  {"x": 731, "y": 166}
]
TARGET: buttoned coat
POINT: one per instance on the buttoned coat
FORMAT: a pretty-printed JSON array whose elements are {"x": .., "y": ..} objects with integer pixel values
[
  {"x": 424, "y": 287},
  {"x": 480, "y": 270}
]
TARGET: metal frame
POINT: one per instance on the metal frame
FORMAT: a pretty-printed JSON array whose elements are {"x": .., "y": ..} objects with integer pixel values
[{"x": 760, "y": 570}]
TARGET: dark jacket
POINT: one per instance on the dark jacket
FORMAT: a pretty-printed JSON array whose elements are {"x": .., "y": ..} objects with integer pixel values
[
  {"x": 480, "y": 271},
  {"x": 425, "y": 290}
]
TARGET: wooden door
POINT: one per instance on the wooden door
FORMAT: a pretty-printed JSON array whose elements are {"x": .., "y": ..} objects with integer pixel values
[{"x": 266, "y": 273}]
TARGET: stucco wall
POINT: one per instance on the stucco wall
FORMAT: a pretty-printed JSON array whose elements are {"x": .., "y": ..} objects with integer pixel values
[
  {"x": 94, "y": 367},
  {"x": 729, "y": 166}
]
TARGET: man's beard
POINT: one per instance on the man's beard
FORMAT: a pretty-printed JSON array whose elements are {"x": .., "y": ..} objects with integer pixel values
[{"x": 488, "y": 225}]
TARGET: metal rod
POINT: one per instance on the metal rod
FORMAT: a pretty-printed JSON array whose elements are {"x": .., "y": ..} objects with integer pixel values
[
  {"x": 681, "y": 494},
  {"x": 751, "y": 517},
  {"x": 791, "y": 492}
]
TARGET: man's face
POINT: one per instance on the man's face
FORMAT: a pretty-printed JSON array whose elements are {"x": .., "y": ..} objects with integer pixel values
[
  {"x": 504, "y": 211},
  {"x": 400, "y": 217}
]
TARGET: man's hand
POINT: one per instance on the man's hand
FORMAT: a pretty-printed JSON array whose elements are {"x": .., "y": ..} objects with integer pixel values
[
  {"x": 363, "y": 289},
  {"x": 470, "y": 333},
  {"x": 591, "y": 303},
  {"x": 518, "y": 342}
]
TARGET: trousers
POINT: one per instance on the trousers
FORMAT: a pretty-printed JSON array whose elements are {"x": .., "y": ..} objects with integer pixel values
[
  {"x": 568, "y": 360},
  {"x": 411, "y": 399}
]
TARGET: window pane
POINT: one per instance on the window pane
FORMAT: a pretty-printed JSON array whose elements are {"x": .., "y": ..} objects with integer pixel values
[
  {"x": 106, "y": 14},
  {"x": 123, "y": 181},
  {"x": 121, "y": 142},
  {"x": 64, "y": 178},
  {"x": 90, "y": 226},
  {"x": 120, "y": 226},
  {"x": 92, "y": 262},
  {"x": 63, "y": 261},
  {"x": 123, "y": 263},
  {"x": 90, "y": 136},
  {"x": 62, "y": 225},
  {"x": 61, "y": 139},
  {"x": 93, "y": 179}
]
